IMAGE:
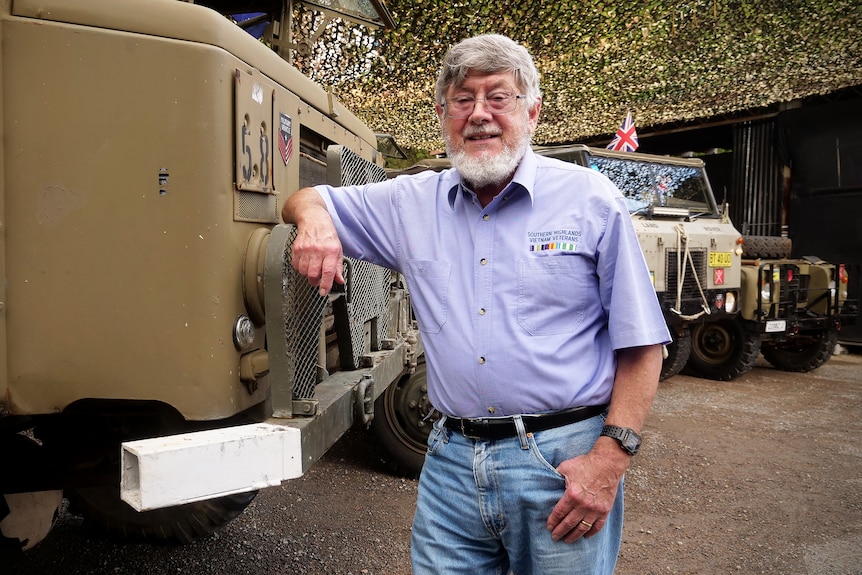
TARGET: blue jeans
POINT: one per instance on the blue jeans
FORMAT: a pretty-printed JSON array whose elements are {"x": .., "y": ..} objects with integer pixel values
[{"x": 483, "y": 505}]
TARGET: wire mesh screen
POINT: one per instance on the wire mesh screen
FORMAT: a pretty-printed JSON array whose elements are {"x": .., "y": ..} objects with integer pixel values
[
  {"x": 365, "y": 307},
  {"x": 690, "y": 290},
  {"x": 255, "y": 207},
  {"x": 302, "y": 326},
  {"x": 367, "y": 304}
]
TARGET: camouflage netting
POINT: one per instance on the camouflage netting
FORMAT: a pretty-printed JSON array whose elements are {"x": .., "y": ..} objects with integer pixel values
[{"x": 663, "y": 61}]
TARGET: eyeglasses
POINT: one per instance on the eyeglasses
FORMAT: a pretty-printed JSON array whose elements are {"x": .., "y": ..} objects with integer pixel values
[{"x": 500, "y": 103}]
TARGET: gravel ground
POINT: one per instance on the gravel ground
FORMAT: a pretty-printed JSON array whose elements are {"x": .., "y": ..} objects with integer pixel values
[{"x": 759, "y": 475}]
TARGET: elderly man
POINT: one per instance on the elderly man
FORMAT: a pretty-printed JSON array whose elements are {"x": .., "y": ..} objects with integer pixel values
[{"x": 540, "y": 323}]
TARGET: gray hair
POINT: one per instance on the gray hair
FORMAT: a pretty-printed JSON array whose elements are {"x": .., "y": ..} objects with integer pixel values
[{"x": 489, "y": 54}]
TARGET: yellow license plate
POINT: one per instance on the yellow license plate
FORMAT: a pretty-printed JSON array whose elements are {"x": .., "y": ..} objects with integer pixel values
[{"x": 719, "y": 259}]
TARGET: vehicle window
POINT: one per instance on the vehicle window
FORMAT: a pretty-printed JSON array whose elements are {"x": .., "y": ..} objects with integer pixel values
[{"x": 652, "y": 184}]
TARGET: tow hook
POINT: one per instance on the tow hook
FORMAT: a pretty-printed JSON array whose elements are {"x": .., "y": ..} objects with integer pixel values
[{"x": 365, "y": 399}]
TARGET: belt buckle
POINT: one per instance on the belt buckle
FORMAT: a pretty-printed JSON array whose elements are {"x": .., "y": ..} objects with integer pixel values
[{"x": 464, "y": 430}]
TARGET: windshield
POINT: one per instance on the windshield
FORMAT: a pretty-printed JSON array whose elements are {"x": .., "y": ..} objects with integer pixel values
[{"x": 647, "y": 184}]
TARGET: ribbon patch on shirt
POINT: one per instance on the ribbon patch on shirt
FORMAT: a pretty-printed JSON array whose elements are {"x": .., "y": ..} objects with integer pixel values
[{"x": 554, "y": 240}]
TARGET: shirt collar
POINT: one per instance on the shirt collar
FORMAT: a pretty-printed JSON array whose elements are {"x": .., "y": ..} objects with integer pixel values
[{"x": 525, "y": 178}]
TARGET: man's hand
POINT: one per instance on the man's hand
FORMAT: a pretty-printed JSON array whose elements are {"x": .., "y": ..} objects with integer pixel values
[
  {"x": 591, "y": 488},
  {"x": 317, "y": 253},
  {"x": 592, "y": 479}
]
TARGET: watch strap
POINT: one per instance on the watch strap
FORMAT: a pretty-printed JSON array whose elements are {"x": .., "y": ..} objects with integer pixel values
[{"x": 622, "y": 435}]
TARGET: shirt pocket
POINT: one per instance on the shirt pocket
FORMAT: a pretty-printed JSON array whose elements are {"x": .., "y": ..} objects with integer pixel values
[
  {"x": 551, "y": 294},
  {"x": 430, "y": 292}
]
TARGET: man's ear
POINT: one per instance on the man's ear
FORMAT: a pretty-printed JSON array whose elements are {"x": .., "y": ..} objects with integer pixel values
[{"x": 534, "y": 114}]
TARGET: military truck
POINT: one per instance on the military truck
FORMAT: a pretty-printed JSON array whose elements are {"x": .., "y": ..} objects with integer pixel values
[
  {"x": 726, "y": 297},
  {"x": 798, "y": 305},
  {"x": 161, "y": 361}
]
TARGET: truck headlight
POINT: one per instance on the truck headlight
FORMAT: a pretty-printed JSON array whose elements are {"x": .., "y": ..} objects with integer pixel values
[
  {"x": 243, "y": 332},
  {"x": 730, "y": 302}
]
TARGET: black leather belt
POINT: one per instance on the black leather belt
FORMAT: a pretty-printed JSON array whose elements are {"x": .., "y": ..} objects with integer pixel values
[{"x": 503, "y": 427}]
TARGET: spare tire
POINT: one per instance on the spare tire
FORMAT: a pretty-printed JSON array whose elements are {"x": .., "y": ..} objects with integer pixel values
[{"x": 772, "y": 247}]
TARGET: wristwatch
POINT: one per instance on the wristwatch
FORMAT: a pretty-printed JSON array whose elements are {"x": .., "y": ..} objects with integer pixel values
[{"x": 629, "y": 440}]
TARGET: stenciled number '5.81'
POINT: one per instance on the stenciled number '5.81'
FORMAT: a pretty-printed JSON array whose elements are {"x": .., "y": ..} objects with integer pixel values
[{"x": 248, "y": 169}]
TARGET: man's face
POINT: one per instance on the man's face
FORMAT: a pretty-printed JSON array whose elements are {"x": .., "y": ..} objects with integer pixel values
[{"x": 486, "y": 148}]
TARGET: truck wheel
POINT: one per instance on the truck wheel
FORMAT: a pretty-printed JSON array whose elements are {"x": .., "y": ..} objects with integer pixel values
[
  {"x": 678, "y": 352},
  {"x": 723, "y": 350},
  {"x": 98, "y": 501},
  {"x": 401, "y": 424},
  {"x": 766, "y": 247},
  {"x": 803, "y": 355},
  {"x": 105, "y": 513}
]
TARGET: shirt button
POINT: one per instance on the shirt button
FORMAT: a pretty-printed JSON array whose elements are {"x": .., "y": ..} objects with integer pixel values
[
  {"x": 492, "y": 410},
  {"x": 483, "y": 261},
  {"x": 481, "y": 311},
  {"x": 481, "y": 360},
  {"x": 486, "y": 217}
]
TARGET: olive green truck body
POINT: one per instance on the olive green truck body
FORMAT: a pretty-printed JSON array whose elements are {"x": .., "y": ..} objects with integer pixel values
[{"x": 147, "y": 149}]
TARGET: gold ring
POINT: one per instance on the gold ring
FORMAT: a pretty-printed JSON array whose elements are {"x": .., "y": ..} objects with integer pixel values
[{"x": 587, "y": 525}]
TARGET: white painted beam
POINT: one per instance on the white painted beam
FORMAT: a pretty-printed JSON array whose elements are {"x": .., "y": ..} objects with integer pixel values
[{"x": 178, "y": 469}]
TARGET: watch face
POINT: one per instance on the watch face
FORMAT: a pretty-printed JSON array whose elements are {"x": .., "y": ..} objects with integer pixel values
[{"x": 630, "y": 442}]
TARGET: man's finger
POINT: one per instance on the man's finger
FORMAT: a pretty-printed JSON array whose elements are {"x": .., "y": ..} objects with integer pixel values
[{"x": 329, "y": 274}]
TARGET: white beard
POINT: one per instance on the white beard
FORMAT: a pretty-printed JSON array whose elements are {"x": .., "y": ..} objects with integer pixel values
[{"x": 487, "y": 169}]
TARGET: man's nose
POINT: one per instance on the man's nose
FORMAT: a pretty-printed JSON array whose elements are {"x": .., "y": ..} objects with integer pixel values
[{"x": 478, "y": 114}]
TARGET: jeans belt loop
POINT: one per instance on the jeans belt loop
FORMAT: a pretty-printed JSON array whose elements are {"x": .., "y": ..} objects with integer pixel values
[{"x": 521, "y": 430}]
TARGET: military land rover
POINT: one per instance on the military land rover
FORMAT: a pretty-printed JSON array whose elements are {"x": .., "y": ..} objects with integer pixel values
[
  {"x": 160, "y": 358},
  {"x": 726, "y": 297}
]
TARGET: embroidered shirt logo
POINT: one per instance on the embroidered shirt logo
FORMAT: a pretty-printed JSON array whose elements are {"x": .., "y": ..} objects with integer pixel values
[{"x": 554, "y": 240}]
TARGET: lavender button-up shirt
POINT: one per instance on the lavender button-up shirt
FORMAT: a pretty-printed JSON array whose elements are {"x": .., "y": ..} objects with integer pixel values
[{"x": 521, "y": 304}]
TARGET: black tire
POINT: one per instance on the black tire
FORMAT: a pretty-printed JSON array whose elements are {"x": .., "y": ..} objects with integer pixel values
[
  {"x": 98, "y": 502},
  {"x": 723, "y": 350},
  {"x": 31, "y": 522},
  {"x": 678, "y": 352},
  {"x": 802, "y": 354},
  {"x": 402, "y": 422},
  {"x": 106, "y": 514},
  {"x": 773, "y": 247}
]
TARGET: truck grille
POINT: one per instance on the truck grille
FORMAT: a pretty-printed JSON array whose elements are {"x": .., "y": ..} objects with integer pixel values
[
  {"x": 368, "y": 284},
  {"x": 364, "y": 309},
  {"x": 689, "y": 286},
  {"x": 304, "y": 312}
]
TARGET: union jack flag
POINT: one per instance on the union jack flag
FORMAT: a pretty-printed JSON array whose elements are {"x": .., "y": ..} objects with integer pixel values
[{"x": 626, "y": 139}]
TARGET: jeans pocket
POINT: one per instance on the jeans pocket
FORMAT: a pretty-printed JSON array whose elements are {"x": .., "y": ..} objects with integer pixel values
[{"x": 541, "y": 458}]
